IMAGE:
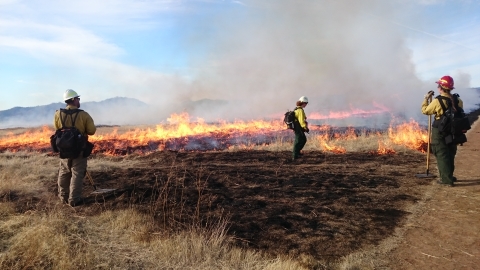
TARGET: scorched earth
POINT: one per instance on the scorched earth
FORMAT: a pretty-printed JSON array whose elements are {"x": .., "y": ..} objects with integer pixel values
[{"x": 325, "y": 205}]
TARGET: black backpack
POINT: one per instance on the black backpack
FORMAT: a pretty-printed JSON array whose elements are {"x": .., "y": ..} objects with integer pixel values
[
  {"x": 453, "y": 124},
  {"x": 68, "y": 141},
  {"x": 289, "y": 119}
]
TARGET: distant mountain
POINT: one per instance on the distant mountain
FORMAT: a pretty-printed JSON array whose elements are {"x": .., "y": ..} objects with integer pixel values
[
  {"x": 112, "y": 111},
  {"x": 43, "y": 115}
]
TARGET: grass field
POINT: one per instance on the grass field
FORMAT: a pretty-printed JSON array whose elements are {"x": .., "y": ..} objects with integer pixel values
[{"x": 181, "y": 211}]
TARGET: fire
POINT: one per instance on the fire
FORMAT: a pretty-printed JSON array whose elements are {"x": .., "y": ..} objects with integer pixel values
[
  {"x": 328, "y": 146},
  {"x": 28, "y": 139},
  {"x": 183, "y": 133},
  {"x": 332, "y": 148},
  {"x": 379, "y": 109},
  {"x": 180, "y": 126},
  {"x": 384, "y": 149},
  {"x": 409, "y": 134}
]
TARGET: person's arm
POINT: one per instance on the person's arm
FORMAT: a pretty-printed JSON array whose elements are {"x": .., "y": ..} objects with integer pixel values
[
  {"x": 90, "y": 127},
  {"x": 429, "y": 109},
  {"x": 57, "y": 123}
]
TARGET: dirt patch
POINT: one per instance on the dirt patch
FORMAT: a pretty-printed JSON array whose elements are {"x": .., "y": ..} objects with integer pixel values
[{"x": 445, "y": 231}]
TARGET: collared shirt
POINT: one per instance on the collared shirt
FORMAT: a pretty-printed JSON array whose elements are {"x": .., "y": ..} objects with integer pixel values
[
  {"x": 84, "y": 122},
  {"x": 435, "y": 108},
  {"x": 301, "y": 117}
]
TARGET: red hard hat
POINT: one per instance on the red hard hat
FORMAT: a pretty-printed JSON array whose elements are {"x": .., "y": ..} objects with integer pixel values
[{"x": 446, "y": 82}]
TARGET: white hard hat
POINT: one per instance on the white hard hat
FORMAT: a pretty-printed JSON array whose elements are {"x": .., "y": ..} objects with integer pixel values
[
  {"x": 69, "y": 94},
  {"x": 303, "y": 99}
]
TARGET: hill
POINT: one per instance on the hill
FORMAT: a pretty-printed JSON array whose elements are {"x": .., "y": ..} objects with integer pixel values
[{"x": 43, "y": 115}]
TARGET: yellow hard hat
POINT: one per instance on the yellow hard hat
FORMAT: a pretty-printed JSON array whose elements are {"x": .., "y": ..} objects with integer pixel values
[{"x": 69, "y": 94}]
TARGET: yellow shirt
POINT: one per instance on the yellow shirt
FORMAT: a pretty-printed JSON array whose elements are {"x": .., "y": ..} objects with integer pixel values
[
  {"x": 435, "y": 108},
  {"x": 84, "y": 122},
  {"x": 301, "y": 117}
]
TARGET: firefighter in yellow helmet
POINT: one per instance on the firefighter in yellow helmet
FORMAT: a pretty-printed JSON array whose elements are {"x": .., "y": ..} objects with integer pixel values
[
  {"x": 300, "y": 127},
  {"x": 73, "y": 169},
  {"x": 443, "y": 152}
]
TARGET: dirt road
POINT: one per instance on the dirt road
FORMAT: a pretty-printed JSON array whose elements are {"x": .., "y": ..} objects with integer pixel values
[{"x": 445, "y": 234}]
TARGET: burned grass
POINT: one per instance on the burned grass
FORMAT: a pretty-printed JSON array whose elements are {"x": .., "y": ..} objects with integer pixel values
[{"x": 324, "y": 206}]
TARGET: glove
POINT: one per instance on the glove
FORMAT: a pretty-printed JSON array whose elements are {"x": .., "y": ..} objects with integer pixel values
[
  {"x": 429, "y": 94},
  {"x": 307, "y": 130}
]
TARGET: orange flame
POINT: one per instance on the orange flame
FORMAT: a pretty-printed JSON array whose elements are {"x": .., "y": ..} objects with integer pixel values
[
  {"x": 29, "y": 138},
  {"x": 347, "y": 114},
  {"x": 181, "y": 130},
  {"x": 180, "y": 126},
  {"x": 383, "y": 148},
  {"x": 409, "y": 134},
  {"x": 329, "y": 147}
]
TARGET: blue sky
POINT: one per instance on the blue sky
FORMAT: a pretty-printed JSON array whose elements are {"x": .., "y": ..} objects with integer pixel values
[{"x": 261, "y": 54}]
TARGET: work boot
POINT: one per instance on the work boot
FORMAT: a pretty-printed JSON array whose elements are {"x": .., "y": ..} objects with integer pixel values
[{"x": 75, "y": 203}]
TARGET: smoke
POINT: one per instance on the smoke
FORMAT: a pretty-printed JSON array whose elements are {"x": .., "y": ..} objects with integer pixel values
[
  {"x": 340, "y": 54},
  {"x": 255, "y": 58},
  {"x": 462, "y": 79}
]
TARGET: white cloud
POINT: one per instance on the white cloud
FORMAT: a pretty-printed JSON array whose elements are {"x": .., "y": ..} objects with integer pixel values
[{"x": 48, "y": 41}]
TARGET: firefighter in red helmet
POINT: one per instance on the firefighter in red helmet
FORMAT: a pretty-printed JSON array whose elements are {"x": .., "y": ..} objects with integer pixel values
[{"x": 444, "y": 153}]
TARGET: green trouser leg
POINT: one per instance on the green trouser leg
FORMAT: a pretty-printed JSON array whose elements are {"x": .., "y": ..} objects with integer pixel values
[
  {"x": 445, "y": 155},
  {"x": 300, "y": 141}
]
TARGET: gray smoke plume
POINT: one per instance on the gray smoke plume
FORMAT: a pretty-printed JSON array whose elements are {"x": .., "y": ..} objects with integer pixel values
[{"x": 343, "y": 55}]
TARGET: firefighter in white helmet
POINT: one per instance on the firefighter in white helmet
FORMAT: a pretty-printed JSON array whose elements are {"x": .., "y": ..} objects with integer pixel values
[
  {"x": 300, "y": 127},
  {"x": 73, "y": 167}
]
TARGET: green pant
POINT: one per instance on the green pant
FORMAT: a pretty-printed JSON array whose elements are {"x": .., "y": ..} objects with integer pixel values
[
  {"x": 445, "y": 155},
  {"x": 300, "y": 141},
  {"x": 70, "y": 178}
]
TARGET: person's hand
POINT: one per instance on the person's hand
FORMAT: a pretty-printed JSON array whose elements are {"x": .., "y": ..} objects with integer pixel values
[
  {"x": 307, "y": 130},
  {"x": 429, "y": 94}
]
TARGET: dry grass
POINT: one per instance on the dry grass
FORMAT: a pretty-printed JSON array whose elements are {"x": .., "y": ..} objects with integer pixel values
[
  {"x": 316, "y": 142},
  {"x": 23, "y": 173},
  {"x": 124, "y": 239},
  {"x": 57, "y": 237}
]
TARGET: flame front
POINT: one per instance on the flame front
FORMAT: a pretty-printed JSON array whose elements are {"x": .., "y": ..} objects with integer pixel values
[
  {"x": 379, "y": 109},
  {"x": 409, "y": 134},
  {"x": 384, "y": 148},
  {"x": 29, "y": 139},
  {"x": 182, "y": 133},
  {"x": 329, "y": 146}
]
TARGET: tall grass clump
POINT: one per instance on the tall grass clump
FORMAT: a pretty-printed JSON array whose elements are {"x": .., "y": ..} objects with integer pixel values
[
  {"x": 330, "y": 142},
  {"x": 25, "y": 173}
]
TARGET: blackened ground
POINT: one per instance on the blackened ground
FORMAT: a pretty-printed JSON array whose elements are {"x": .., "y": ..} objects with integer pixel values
[{"x": 324, "y": 205}]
